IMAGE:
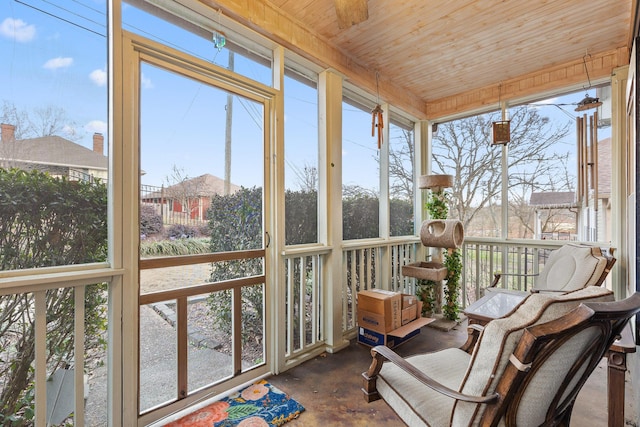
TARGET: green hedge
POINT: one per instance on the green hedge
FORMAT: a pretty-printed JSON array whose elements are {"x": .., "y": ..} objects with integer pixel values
[{"x": 46, "y": 221}]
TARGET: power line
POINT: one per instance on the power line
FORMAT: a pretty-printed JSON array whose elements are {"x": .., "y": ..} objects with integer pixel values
[{"x": 61, "y": 18}]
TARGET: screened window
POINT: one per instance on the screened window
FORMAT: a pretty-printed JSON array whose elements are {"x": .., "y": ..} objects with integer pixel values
[
  {"x": 301, "y": 158},
  {"x": 360, "y": 173},
  {"x": 401, "y": 185},
  {"x": 560, "y": 169},
  {"x": 53, "y": 148},
  {"x": 462, "y": 148}
]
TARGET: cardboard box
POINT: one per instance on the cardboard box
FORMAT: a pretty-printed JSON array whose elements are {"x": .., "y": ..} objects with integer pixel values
[
  {"x": 393, "y": 338},
  {"x": 380, "y": 310},
  {"x": 411, "y": 308}
]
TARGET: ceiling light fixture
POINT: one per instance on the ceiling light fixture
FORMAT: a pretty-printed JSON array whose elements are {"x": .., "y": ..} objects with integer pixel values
[{"x": 587, "y": 102}]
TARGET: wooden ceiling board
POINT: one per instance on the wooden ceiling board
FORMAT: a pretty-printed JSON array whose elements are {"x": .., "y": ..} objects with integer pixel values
[
  {"x": 443, "y": 53},
  {"x": 422, "y": 45}
]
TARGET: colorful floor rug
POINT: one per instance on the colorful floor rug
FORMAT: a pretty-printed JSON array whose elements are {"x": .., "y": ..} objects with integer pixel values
[{"x": 258, "y": 405}]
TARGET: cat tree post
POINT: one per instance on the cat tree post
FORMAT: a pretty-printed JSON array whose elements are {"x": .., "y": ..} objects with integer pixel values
[{"x": 437, "y": 234}]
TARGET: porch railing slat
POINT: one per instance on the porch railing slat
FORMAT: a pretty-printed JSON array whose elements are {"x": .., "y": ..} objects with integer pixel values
[
  {"x": 40, "y": 306},
  {"x": 78, "y": 354}
]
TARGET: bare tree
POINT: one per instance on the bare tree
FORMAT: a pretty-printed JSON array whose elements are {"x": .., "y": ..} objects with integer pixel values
[
  {"x": 43, "y": 121},
  {"x": 463, "y": 149},
  {"x": 401, "y": 166},
  {"x": 20, "y": 119},
  {"x": 185, "y": 190},
  {"x": 307, "y": 177}
]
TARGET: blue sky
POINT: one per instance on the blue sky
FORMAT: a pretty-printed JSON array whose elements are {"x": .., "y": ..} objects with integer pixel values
[{"x": 49, "y": 63}]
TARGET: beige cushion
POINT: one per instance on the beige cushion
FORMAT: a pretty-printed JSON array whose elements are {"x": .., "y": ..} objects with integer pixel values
[
  {"x": 500, "y": 337},
  {"x": 571, "y": 267},
  {"x": 414, "y": 402},
  {"x": 548, "y": 380}
]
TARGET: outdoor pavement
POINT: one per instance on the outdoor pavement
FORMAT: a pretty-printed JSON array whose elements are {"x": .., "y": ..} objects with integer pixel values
[{"x": 158, "y": 368}]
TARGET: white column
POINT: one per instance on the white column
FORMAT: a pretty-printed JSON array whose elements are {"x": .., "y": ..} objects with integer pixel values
[
  {"x": 620, "y": 220},
  {"x": 330, "y": 201}
]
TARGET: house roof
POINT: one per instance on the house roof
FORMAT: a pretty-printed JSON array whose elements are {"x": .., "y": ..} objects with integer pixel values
[
  {"x": 553, "y": 199},
  {"x": 202, "y": 186},
  {"x": 54, "y": 151}
]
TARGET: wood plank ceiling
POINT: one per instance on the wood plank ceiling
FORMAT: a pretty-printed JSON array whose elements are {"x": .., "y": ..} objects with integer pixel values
[{"x": 453, "y": 55}]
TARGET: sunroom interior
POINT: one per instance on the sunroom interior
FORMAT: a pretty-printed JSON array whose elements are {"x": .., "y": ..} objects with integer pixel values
[{"x": 223, "y": 177}]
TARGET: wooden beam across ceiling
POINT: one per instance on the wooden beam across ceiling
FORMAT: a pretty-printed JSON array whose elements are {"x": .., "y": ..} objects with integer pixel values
[{"x": 351, "y": 12}]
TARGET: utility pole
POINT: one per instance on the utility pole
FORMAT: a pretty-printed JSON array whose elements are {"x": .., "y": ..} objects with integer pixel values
[{"x": 227, "y": 139}]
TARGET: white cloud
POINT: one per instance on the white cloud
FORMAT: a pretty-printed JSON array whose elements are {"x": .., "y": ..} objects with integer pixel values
[
  {"x": 59, "y": 62},
  {"x": 146, "y": 82},
  {"x": 17, "y": 29},
  {"x": 99, "y": 77},
  {"x": 96, "y": 126}
]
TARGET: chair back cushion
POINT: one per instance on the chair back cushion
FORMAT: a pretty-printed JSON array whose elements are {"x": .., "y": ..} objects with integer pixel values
[
  {"x": 500, "y": 337},
  {"x": 571, "y": 267},
  {"x": 539, "y": 392}
]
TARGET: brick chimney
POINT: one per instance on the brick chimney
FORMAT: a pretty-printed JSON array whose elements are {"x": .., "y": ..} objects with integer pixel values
[
  {"x": 8, "y": 133},
  {"x": 98, "y": 143}
]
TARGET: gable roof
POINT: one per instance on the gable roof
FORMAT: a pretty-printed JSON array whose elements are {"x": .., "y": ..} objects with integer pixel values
[
  {"x": 53, "y": 151},
  {"x": 553, "y": 199},
  {"x": 202, "y": 186}
]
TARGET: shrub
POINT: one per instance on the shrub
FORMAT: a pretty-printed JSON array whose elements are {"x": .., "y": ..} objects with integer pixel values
[
  {"x": 181, "y": 231},
  {"x": 235, "y": 221},
  {"x": 150, "y": 221}
]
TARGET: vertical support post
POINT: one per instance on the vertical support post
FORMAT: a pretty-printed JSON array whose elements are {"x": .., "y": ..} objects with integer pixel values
[
  {"x": 384, "y": 207},
  {"x": 504, "y": 202},
  {"x": 330, "y": 201},
  {"x": 275, "y": 296}
]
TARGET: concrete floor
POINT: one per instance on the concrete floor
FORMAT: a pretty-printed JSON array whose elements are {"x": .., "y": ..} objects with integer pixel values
[{"x": 328, "y": 386}]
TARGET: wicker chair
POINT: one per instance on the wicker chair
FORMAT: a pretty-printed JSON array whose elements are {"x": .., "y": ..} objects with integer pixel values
[
  {"x": 526, "y": 369},
  {"x": 571, "y": 267}
]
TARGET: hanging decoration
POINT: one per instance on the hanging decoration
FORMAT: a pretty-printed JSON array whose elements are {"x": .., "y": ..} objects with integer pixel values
[
  {"x": 587, "y": 156},
  {"x": 377, "y": 122},
  {"x": 587, "y": 102},
  {"x": 219, "y": 38},
  {"x": 501, "y": 128}
]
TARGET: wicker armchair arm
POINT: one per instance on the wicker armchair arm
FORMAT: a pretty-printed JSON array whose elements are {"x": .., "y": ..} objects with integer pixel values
[{"x": 381, "y": 353}]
